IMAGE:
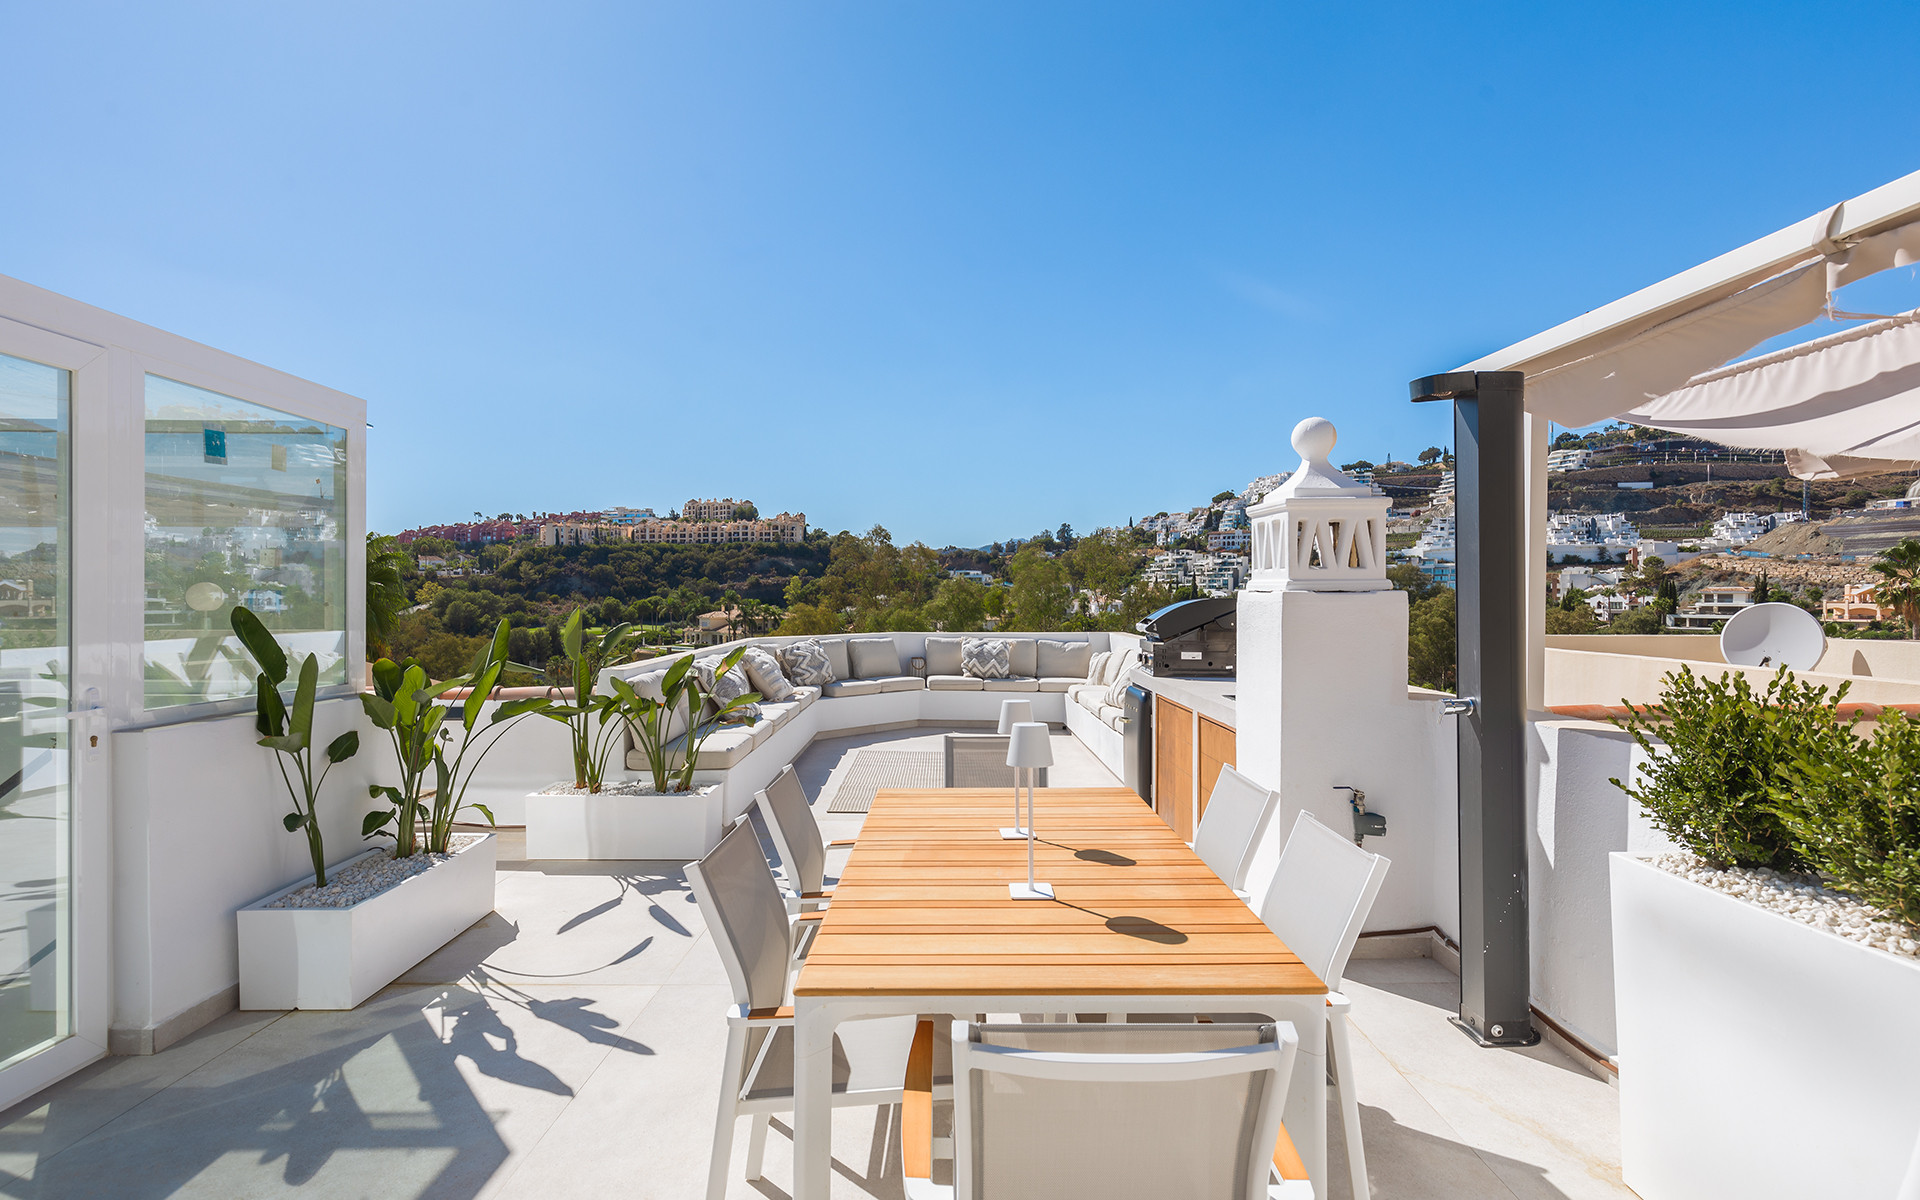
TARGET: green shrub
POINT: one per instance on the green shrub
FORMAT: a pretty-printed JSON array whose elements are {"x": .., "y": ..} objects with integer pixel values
[
  {"x": 1709, "y": 787},
  {"x": 1853, "y": 808}
]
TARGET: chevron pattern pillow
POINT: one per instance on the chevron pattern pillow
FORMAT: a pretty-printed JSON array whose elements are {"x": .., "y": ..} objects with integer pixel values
[
  {"x": 986, "y": 658},
  {"x": 724, "y": 689},
  {"x": 763, "y": 671},
  {"x": 806, "y": 663}
]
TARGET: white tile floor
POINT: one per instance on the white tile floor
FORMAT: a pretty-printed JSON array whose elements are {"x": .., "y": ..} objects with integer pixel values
[{"x": 569, "y": 1045}]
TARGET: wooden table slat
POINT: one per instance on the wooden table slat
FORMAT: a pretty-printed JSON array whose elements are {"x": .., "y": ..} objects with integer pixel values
[{"x": 922, "y": 906}]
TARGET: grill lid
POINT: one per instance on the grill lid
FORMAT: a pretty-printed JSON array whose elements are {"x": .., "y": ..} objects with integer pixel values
[{"x": 1185, "y": 616}]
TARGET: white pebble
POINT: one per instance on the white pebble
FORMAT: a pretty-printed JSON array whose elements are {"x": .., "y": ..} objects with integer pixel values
[
  {"x": 362, "y": 880},
  {"x": 1800, "y": 898}
]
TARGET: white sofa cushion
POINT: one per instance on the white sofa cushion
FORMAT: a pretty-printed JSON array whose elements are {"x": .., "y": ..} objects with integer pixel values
[
  {"x": 836, "y": 649},
  {"x": 873, "y": 658},
  {"x": 1062, "y": 660},
  {"x": 763, "y": 671},
  {"x": 943, "y": 656},
  {"x": 806, "y": 663},
  {"x": 1117, "y": 663},
  {"x": 986, "y": 658},
  {"x": 1117, "y": 690},
  {"x": 900, "y": 683},
  {"x": 1111, "y": 715},
  {"x": 1027, "y": 684},
  {"x": 1023, "y": 658},
  {"x": 1097, "y": 668},
  {"x": 954, "y": 683},
  {"x": 852, "y": 687},
  {"x": 724, "y": 748},
  {"x": 1060, "y": 684},
  {"x": 1089, "y": 696}
]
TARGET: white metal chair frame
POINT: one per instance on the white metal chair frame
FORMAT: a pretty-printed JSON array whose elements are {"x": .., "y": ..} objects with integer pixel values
[
  {"x": 1269, "y": 1049},
  {"x": 1237, "y": 813},
  {"x": 1321, "y": 894},
  {"x": 757, "y": 943},
  {"x": 797, "y": 837}
]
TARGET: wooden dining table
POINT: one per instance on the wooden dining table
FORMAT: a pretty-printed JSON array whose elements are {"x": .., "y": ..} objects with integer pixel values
[{"x": 922, "y": 922}]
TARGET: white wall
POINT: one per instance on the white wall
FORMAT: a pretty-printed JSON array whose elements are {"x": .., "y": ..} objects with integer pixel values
[
  {"x": 1576, "y": 817},
  {"x": 196, "y": 835},
  {"x": 1322, "y": 700}
]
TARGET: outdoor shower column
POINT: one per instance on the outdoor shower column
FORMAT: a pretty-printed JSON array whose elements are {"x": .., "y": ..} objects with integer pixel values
[{"x": 1490, "y": 504}]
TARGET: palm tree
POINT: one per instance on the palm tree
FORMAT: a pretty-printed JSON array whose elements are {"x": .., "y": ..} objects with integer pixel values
[
  {"x": 1899, "y": 584},
  {"x": 386, "y": 589}
]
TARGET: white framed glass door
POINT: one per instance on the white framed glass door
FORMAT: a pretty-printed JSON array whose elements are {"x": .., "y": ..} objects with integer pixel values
[
  {"x": 36, "y": 775},
  {"x": 53, "y": 940}
]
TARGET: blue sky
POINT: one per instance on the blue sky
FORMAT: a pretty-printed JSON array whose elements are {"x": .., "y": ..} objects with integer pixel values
[{"x": 963, "y": 270}]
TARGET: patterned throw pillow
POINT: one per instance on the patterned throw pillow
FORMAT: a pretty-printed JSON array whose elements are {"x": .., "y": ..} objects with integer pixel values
[
  {"x": 806, "y": 663},
  {"x": 725, "y": 689},
  {"x": 746, "y": 714},
  {"x": 986, "y": 658},
  {"x": 763, "y": 671}
]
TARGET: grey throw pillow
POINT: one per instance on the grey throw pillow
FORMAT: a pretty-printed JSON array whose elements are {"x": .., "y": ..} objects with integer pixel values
[
  {"x": 1064, "y": 660},
  {"x": 1023, "y": 660},
  {"x": 806, "y": 663},
  {"x": 986, "y": 658},
  {"x": 873, "y": 658},
  {"x": 943, "y": 656},
  {"x": 763, "y": 671}
]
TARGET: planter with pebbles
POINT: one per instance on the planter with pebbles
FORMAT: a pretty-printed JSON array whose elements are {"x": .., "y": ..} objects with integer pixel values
[
  {"x": 625, "y": 820},
  {"x": 1769, "y": 1034},
  {"x": 332, "y": 947}
]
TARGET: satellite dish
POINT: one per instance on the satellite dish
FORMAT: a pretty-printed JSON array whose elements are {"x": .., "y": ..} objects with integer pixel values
[{"x": 1773, "y": 635}]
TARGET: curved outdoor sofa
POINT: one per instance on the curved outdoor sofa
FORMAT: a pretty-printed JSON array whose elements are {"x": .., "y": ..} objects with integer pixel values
[{"x": 876, "y": 690}]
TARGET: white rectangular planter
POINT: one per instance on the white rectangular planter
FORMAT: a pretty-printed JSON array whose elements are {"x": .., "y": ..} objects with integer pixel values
[
  {"x": 684, "y": 825},
  {"x": 1759, "y": 1057},
  {"x": 337, "y": 957}
]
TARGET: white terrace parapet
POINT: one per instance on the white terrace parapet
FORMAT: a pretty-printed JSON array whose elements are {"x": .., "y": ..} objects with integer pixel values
[{"x": 1320, "y": 531}]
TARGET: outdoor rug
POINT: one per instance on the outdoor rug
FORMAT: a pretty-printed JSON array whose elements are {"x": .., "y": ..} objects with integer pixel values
[{"x": 873, "y": 769}]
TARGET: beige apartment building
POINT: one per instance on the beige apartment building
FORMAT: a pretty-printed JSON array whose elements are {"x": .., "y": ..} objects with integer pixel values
[
  {"x": 711, "y": 510},
  {"x": 787, "y": 527}
]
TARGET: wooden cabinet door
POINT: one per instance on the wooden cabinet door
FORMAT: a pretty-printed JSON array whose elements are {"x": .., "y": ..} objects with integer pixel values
[
  {"x": 1216, "y": 751},
  {"x": 1173, "y": 765}
]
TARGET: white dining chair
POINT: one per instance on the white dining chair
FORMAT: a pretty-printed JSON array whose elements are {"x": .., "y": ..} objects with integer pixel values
[
  {"x": 1321, "y": 894},
  {"x": 748, "y": 920},
  {"x": 797, "y": 838},
  {"x": 1237, "y": 813},
  {"x": 1114, "y": 1111}
]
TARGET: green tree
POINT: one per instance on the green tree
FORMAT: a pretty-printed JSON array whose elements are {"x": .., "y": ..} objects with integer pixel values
[
  {"x": 1432, "y": 641},
  {"x": 1898, "y": 587},
  {"x": 1645, "y": 619},
  {"x": 387, "y": 569},
  {"x": 1578, "y": 619},
  {"x": 808, "y": 620},
  {"x": 1042, "y": 593},
  {"x": 1430, "y": 455},
  {"x": 958, "y": 606}
]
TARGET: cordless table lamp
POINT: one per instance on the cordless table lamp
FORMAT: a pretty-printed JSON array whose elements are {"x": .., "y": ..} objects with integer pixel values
[
  {"x": 1028, "y": 748},
  {"x": 1013, "y": 712}
]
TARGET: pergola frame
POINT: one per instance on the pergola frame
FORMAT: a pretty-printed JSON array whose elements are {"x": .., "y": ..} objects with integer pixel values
[{"x": 1494, "y": 951}]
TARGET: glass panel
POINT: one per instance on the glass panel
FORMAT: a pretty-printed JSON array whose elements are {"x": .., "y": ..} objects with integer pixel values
[
  {"x": 35, "y": 949},
  {"x": 245, "y": 505}
]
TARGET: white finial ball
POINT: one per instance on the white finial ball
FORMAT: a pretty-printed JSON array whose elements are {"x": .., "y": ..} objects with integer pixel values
[{"x": 1314, "y": 438}]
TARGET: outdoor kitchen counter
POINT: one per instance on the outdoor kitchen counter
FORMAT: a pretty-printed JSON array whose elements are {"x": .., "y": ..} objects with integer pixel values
[{"x": 1212, "y": 698}]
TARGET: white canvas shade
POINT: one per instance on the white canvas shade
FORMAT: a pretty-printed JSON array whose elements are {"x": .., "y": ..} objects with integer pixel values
[{"x": 1840, "y": 405}]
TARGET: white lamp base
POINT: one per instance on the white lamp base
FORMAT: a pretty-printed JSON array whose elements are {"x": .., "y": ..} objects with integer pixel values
[
  {"x": 1039, "y": 891},
  {"x": 1012, "y": 833}
]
